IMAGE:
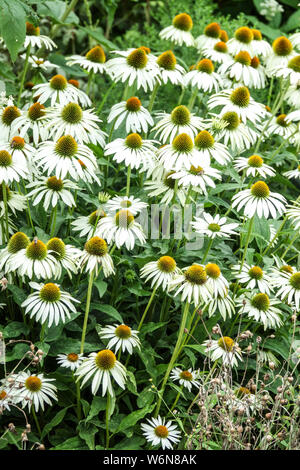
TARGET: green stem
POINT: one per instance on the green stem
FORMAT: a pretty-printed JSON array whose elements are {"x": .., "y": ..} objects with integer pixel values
[
  {"x": 290, "y": 244},
  {"x": 89, "y": 83},
  {"x": 152, "y": 97},
  {"x": 174, "y": 357},
  {"x": 128, "y": 180},
  {"x": 207, "y": 250},
  {"x": 78, "y": 408},
  {"x": 36, "y": 420},
  {"x": 247, "y": 242},
  {"x": 192, "y": 99},
  {"x": 113, "y": 84},
  {"x": 146, "y": 309},
  {"x": 24, "y": 74},
  {"x": 5, "y": 209},
  {"x": 65, "y": 15},
  {"x": 176, "y": 400},
  {"x": 53, "y": 221},
  {"x": 87, "y": 309},
  {"x": 42, "y": 334},
  {"x": 107, "y": 421}
]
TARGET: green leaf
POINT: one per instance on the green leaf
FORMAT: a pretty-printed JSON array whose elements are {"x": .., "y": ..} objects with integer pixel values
[
  {"x": 54, "y": 422},
  {"x": 18, "y": 294},
  {"x": 55, "y": 9},
  {"x": 87, "y": 432},
  {"x": 73, "y": 443},
  {"x": 146, "y": 397},
  {"x": 109, "y": 310},
  {"x": 15, "y": 329},
  {"x": 130, "y": 444},
  {"x": 293, "y": 22},
  {"x": 98, "y": 404},
  {"x": 97, "y": 34},
  {"x": 134, "y": 417},
  {"x": 131, "y": 383},
  {"x": 12, "y": 25},
  {"x": 197, "y": 347},
  {"x": 101, "y": 286}
]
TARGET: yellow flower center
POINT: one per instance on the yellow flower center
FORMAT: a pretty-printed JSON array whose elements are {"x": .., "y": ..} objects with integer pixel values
[
  {"x": 57, "y": 245},
  {"x": 56, "y": 184},
  {"x": 58, "y": 82},
  {"x": 5, "y": 158},
  {"x": 72, "y": 113},
  {"x": 29, "y": 85},
  {"x": 183, "y": 143},
  {"x": 17, "y": 242},
  {"x": 133, "y": 104},
  {"x": 244, "y": 34},
  {"x": 282, "y": 46},
  {"x": 72, "y": 357},
  {"x": 294, "y": 64},
  {"x": 281, "y": 121},
  {"x": 66, "y": 146},
  {"x": 242, "y": 392},
  {"x": 243, "y": 57},
  {"x": 105, "y": 359},
  {"x": 204, "y": 140},
  {"x": 166, "y": 264},
  {"x": 226, "y": 343},
  {"x": 95, "y": 216},
  {"x": 3, "y": 394},
  {"x": 32, "y": 30},
  {"x": 261, "y": 302},
  {"x": 36, "y": 111},
  {"x": 33, "y": 383},
  {"x": 161, "y": 431},
  {"x": 50, "y": 292},
  {"x": 96, "y": 246},
  {"x": 36, "y": 250},
  {"x": 8, "y": 194},
  {"x": 221, "y": 47},
  {"x": 74, "y": 82},
  {"x": 146, "y": 49},
  {"x": 295, "y": 281},
  {"x": 213, "y": 270},
  {"x": 137, "y": 59},
  {"x": 134, "y": 141},
  {"x": 196, "y": 274},
  {"x": 212, "y": 30},
  {"x": 169, "y": 182},
  {"x": 167, "y": 60},
  {"x": 123, "y": 331},
  {"x": 124, "y": 218},
  {"x": 183, "y": 22},
  {"x": 186, "y": 375},
  {"x": 240, "y": 97},
  {"x": 196, "y": 170},
  {"x": 9, "y": 114},
  {"x": 206, "y": 66},
  {"x": 96, "y": 55},
  {"x": 255, "y": 62},
  {"x": 17, "y": 143},
  {"x": 286, "y": 268},
  {"x": 223, "y": 35},
  {"x": 214, "y": 227},
  {"x": 255, "y": 272},
  {"x": 256, "y": 34},
  {"x": 232, "y": 119},
  {"x": 260, "y": 189},
  {"x": 180, "y": 116},
  {"x": 255, "y": 161}
]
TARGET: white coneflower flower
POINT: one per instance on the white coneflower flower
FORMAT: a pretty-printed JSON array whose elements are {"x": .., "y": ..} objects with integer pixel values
[
  {"x": 33, "y": 120},
  {"x": 259, "y": 72},
  {"x": 214, "y": 226},
  {"x": 35, "y": 39},
  {"x": 12, "y": 168},
  {"x": 210, "y": 37},
  {"x": 289, "y": 289},
  {"x": 203, "y": 77},
  {"x": 95, "y": 255},
  {"x": 123, "y": 202},
  {"x": 136, "y": 117},
  {"x": 65, "y": 158},
  {"x": 198, "y": 177},
  {"x": 121, "y": 229},
  {"x": 240, "y": 70},
  {"x": 193, "y": 284},
  {"x": 165, "y": 186},
  {"x": 179, "y": 154},
  {"x": 6, "y": 397},
  {"x": 7, "y": 117},
  {"x": 94, "y": 60},
  {"x": 59, "y": 90},
  {"x": 224, "y": 348},
  {"x": 242, "y": 41},
  {"x": 162, "y": 433},
  {"x": 261, "y": 308},
  {"x": 19, "y": 149},
  {"x": 292, "y": 96},
  {"x": 217, "y": 283},
  {"x": 295, "y": 39},
  {"x": 133, "y": 67},
  {"x": 239, "y": 101},
  {"x": 234, "y": 133},
  {"x": 66, "y": 255},
  {"x": 86, "y": 225},
  {"x": 218, "y": 53},
  {"x": 245, "y": 401},
  {"x": 101, "y": 366},
  {"x": 39, "y": 63},
  {"x": 254, "y": 166},
  {"x": 180, "y": 121},
  {"x": 282, "y": 52},
  {"x": 180, "y": 31},
  {"x": 14, "y": 201},
  {"x": 161, "y": 272},
  {"x": 17, "y": 242},
  {"x": 293, "y": 213},
  {"x": 259, "y": 200},
  {"x": 209, "y": 149},
  {"x": 51, "y": 191},
  {"x": 120, "y": 337},
  {"x": 253, "y": 277},
  {"x": 169, "y": 70},
  {"x": 133, "y": 151},
  {"x": 186, "y": 378},
  {"x": 72, "y": 120},
  {"x": 223, "y": 305},
  {"x": 289, "y": 72},
  {"x": 33, "y": 390},
  {"x": 282, "y": 125},
  {"x": 34, "y": 260},
  {"x": 259, "y": 46},
  {"x": 70, "y": 361},
  {"x": 49, "y": 304}
]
